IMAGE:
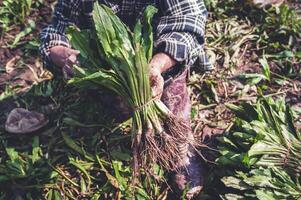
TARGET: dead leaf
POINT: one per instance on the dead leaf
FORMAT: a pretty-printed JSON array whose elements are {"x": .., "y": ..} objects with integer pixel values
[{"x": 10, "y": 65}]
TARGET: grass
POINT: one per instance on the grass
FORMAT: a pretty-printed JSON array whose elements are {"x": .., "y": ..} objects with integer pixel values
[
  {"x": 83, "y": 153},
  {"x": 13, "y": 12}
]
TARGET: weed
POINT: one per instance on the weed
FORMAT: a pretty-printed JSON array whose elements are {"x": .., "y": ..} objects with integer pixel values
[
  {"x": 14, "y": 12},
  {"x": 281, "y": 27}
]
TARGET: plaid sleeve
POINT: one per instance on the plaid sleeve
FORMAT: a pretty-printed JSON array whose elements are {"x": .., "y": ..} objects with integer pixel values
[
  {"x": 180, "y": 32},
  {"x": 53, "y": 35}
]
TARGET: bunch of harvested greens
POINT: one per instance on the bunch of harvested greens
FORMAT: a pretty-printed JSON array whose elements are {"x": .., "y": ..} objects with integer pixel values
[
  {"x": 260, "y": 156},
  {"x": 157, "y": 134}
]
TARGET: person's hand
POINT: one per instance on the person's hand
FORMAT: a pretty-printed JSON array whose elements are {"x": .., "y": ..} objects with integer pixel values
[
  {"x": 64, "y": 58},
  {"x": 60, "y": 54},
  {"x": 159, "y": 63},
  {"x": 156, "y": 81}
]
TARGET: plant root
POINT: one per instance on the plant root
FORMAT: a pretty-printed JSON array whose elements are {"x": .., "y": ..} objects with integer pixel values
[{"x": 168, "y": 148}]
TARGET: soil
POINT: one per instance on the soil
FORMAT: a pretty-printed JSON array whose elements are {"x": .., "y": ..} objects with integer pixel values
[{"x": 18, "y": 68}]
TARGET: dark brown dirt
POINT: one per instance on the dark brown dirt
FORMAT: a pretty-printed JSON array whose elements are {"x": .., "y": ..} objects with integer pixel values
[{"x": 16, "y": 67}]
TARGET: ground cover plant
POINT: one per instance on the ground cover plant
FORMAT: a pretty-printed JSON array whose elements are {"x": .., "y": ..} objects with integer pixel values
[
  {"x": 14, "y": 12},
  {"x": 259, "y": 155},
  {"x": 84, "y": 153}
]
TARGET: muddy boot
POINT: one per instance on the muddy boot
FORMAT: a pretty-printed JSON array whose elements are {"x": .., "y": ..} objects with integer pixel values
[{"x": 189, "y": 177}]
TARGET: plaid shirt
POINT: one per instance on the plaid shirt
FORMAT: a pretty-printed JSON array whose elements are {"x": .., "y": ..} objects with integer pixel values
[{"x": 179, "y": 26}]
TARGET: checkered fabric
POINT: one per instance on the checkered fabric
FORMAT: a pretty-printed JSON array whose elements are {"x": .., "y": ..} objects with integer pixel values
[{"x": 179, "y": 26}]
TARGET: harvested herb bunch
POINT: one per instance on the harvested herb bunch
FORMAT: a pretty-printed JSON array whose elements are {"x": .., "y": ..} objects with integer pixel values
[{"x": 156, "y": 133}]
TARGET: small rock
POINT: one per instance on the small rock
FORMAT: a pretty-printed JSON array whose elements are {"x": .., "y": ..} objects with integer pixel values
[{"x": 23, "y": 121}]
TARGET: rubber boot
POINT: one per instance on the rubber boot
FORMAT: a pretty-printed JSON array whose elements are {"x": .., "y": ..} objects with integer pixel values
[{"x": 189, "y": 178}]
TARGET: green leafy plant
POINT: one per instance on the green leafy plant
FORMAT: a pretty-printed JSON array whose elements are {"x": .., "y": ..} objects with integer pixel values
[
  {"x": 14, "y": 11},
  {"x": 255, "y": 78},
  {"x": 280, "y": 28},
  {"x": 211, "y": 4},
  {"x": 287, "y": 62},
  {"x": 265, "y": 68},
  {"x": 259, "y": 157},
  {"x": 25, "y": 170},
  {"x": 29, "y": 29},
  {"x": 156, "y": 133},
  {"x": 8, "y": 92}
]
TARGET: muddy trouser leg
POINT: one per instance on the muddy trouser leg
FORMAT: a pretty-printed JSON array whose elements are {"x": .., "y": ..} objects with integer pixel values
[{"x": 176, "y": 97}]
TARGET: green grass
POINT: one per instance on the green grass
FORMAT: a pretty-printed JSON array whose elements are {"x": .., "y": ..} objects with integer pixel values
[{"x": 14, "y": 12}]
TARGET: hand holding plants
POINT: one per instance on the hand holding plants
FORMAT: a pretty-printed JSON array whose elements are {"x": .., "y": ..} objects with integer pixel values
[
  {"x": 159, "y": 64},
  {"x": 134, "y": 73}
]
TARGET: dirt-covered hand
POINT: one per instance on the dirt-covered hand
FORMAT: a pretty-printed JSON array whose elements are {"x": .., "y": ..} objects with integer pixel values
[
  {"x": 60, "y": 55},
  {"x": 159, "y": 64},
  {"x": 156, "y": 81},
  {"x": 65, "y": 58}
]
